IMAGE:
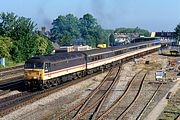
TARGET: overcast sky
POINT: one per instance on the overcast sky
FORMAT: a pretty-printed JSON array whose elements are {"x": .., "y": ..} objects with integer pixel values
[{"x": 154, "y": 15}]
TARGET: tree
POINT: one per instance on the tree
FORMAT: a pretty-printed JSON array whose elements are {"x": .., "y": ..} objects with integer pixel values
[
  {"x": 5, "y": 46},
  {"x": 25, "y": 39},
  {"x": 21, "y": 31},
  {"x": 177, "y": 30},
  {"x": 49, "y": 48},
  {"x": 19, "y": 41},
  {"x": 42, "y": 45},
  {"x": 141, "y": 32},
  {"x": 112, "y": 39},
  {"x": 65, "y": 28},
  {"x": 69, "y": 29},
  {"x": 91, "y": 32},
  {"x": 7, "y": 23}
]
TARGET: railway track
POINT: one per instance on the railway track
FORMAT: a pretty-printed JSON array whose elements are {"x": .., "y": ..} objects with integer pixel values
[
  {"x": 3, "y": 92},
  {"x": 11, "y": 72},
  {"x": 11, "y": 77},
  {"x": 11, "y": 68},
  {"x": 120, "y": 107},
  {"x": 12, "y": 83},
  {"x": 17, "y": 101},
  {"x": 139, "y": 117},
  {"x": 89, "y": 106}
]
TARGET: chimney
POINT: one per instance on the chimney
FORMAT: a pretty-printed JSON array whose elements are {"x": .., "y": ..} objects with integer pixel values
[{"x": 43, "y": 29}]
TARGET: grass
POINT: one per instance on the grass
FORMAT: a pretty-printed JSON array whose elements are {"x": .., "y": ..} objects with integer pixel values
[{"x": 172, "y": 110}]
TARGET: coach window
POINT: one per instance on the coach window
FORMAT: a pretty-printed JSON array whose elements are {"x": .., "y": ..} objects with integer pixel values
[
  {"x": 94, "y": 58},
  {"x": 100, "y": 56},
  {"x": 89, "y": 59}
]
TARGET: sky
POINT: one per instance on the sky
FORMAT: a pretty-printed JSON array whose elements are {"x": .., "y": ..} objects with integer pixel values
[{"x": 153, "y": 15}]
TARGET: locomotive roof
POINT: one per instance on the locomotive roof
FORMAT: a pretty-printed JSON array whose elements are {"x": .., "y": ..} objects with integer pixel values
[{"x": 56, "y": 57}]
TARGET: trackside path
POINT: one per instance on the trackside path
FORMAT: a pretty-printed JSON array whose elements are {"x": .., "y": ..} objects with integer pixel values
[{"x": 153, "y": 115}]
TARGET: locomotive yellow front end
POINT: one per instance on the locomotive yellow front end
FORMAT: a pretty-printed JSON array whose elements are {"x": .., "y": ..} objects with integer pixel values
[{"x": 34, "y": 74}]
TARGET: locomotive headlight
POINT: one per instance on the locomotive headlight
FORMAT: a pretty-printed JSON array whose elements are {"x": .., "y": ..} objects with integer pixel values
[{"x": 40, "y": 74}]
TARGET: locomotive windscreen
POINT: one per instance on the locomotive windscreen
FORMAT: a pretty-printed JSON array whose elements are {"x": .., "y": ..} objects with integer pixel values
[{"x": 31, "y": 65}]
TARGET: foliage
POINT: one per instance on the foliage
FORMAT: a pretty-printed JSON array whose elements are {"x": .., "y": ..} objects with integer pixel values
[
  {"x": 112, "y": 39},
  {"x": 49, "y": 47},
  {"x": 7, "y": 23},
  {"x": 5, "y": 46},
  {"x": 69, "y": 29},
  {"x": 25, "y": 42},
  {"x": 91, "y": 31},
  {"x": 65, "y": 28},
  {"x": 142, "y": 32},
  {"x": 24, "y": 39},
  {"x": 177, "y": 30},
  {"x": 42, "y": 43}
]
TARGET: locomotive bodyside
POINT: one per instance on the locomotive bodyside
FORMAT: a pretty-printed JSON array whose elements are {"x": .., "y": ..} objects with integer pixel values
[{"x": 40, "y": 70}]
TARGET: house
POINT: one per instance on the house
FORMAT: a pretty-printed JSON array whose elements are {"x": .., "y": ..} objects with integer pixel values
[{"x": 124, "y": 38}]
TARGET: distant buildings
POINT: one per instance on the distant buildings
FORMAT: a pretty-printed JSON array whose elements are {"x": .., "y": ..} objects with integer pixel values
[
  {"x": 164, "y": 35},
  {"x": 124, "y": 38},
  {"x": 73, "y": 48},
  {"x": 44, "y": 32}
]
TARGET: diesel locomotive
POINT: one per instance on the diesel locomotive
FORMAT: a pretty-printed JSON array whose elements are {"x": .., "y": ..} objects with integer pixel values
[{"x": 48, "y": 70}]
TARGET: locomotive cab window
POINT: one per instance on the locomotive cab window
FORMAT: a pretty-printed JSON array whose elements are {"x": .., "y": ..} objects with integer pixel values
[{"x": 34, "y": 65}]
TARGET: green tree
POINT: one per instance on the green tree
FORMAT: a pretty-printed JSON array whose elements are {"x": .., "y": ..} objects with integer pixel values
[
  {"x": 7, "y": 24},
  {"x": 65, "y": 28},
  {"x": 138, "y": 30},
  {"x": 177, "y": 30},
  {"x": 42, "y": 45},
  {"x": 111, "y": 39},
  {"x": 49, "y": 48},
  {"x": 91, "y": 32},
  {"x": 69, "y": 29},
  {"x": 21, "y": 31},
  {"x": 25, "y": 39},
  {"x": 5, "y": 46}
]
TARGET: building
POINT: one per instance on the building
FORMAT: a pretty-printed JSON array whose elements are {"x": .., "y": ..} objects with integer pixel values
[
  {"x": 81, "y": 48},
  {"x": 171, "y": 49},
  {"x": 44, "y": 32},
  {"x": 164, "y": 35},
  {"x": 124, "y": 38},
  {"x": 73, "y": 48}
]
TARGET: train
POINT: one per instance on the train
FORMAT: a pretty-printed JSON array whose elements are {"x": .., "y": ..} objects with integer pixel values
[{"x": 50, "y": 70}]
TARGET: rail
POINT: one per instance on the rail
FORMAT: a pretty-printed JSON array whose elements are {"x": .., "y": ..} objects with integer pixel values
[{"x": 119, "y": 99}]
